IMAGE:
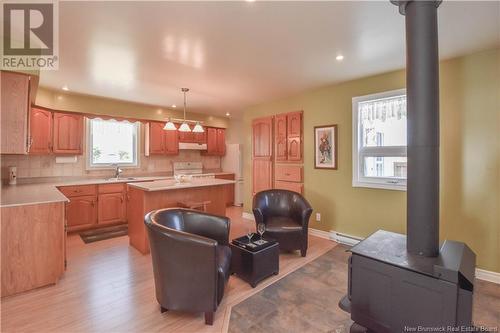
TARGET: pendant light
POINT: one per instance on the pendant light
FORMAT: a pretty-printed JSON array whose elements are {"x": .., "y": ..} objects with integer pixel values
[
  {"x": 198, "y": 128},
  {"x": 170, "y": 126},
  {"x": 184, "y": 126}
]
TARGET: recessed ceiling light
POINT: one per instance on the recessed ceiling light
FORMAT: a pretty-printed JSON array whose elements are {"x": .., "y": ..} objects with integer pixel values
[
  {"x": 174, "y": 106},
  {"x": 227, "y": 114},
  {"x": 250, "y": 0},
  {"x": 65, "y": 88},
  {"x": 340, "y": 57}
]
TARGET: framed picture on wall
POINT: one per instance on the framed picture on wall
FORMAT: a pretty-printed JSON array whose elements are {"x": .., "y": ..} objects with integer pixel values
[{"x": 325, "y": 147}]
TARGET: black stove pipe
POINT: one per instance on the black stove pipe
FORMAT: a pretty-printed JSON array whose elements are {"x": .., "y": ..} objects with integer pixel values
[{"x": 422, "y": 84}]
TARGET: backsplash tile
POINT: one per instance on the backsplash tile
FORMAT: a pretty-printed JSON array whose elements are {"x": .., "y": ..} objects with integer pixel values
[{"x": 30, "y": 166}]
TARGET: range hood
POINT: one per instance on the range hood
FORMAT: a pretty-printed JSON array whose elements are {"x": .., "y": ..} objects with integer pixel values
[{"x": 192, "y": 146}]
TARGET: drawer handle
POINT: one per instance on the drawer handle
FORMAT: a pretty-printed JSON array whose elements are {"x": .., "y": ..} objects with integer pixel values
[{"x": 287, "y": 174}]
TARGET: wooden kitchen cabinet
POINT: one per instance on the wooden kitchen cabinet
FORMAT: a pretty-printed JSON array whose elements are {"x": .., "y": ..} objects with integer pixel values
[
  {"x": 81, "y": 212},
  {"x": 68, "y": 133},
  {"x": 40, "y": 139},
  {"x": 111, "y": 208},
  {"x": 229, "y": 188},
  {"x": 171, "y": 143},
  {"x": 294, "y": 124},
  {"x": 162, "y": 142},
  {"x": 262, "y": 154},
  {"x": 157, "y": 138},
  {"x": 15, "y": 103},
  {"x": 280, "y": 137},
  {"x": 216, "y": 141}
]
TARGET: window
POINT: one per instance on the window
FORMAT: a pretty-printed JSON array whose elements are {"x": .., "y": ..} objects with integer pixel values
[
  {"x": 112, "y": 142},
  {"x": 379, "y": 140}
]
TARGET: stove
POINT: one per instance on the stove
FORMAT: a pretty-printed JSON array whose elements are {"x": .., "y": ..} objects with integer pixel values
[
  {"x": 195, "y": 169},
  {"x": 408, "y": 283}
]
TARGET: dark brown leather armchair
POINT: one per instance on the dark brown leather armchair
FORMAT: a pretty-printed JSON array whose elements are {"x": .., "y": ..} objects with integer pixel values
[
  {"x": 191, "y": 259},
  {"x": 286, "y": 216}
]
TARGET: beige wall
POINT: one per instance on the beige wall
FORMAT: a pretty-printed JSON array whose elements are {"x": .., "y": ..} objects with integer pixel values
[
  {"x": 470, "y": 156},
  {"x": 99, "y": 105}
]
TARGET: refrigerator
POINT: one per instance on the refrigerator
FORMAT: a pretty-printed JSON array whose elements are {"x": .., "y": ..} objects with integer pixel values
[{"x": 233, "y": 162}]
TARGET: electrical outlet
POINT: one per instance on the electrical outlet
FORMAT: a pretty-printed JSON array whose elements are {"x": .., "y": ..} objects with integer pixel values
[{"x": 318, "y": 217}]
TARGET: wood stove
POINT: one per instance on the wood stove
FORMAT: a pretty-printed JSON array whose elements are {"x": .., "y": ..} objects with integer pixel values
[{"x": 405, "y": 283}]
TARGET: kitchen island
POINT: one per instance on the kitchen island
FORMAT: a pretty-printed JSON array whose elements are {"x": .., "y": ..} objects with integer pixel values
[{"x": 144, "y": 197}]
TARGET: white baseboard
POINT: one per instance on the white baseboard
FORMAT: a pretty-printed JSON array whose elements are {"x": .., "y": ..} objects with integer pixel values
[
  {"x": 248, "y": 216},
  {"x": 320, "y": 233},
  {"x": 489, "y": 276}
]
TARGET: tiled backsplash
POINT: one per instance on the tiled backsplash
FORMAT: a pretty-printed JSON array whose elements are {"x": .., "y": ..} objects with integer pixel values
[{"x": 29, "y": 166}]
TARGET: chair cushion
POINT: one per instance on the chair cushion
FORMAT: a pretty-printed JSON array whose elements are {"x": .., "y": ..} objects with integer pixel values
[
  {"x": 282, "y": 224},
  {"x": 223, "y": 254}
]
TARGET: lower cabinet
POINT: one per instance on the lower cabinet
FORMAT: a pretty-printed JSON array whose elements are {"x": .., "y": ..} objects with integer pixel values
[
  {"x": 93, "y": 206},
  {"x": 81, "y": 212},
  {"x": 111, "y": 208},
  {"x": 229, "y": 189}
]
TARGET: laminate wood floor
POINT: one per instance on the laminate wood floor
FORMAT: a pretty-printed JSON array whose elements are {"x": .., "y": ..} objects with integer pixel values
[{"x": 108, "y": 287}]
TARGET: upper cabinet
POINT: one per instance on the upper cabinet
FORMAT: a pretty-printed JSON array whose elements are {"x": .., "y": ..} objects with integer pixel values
[
  {"x": 280, "y": 138},
  {"x": 288, "y": 137},
  {"x": 40, "y": 139},
  {"x": 68, "y": 133},
  {"x": 15, "y": 103},
  {"x": 216, "y": 141},
  {"x": 192, "y": 137},
  {"x": 162, "y": 142},
  {"x": 156, "y": 138}
]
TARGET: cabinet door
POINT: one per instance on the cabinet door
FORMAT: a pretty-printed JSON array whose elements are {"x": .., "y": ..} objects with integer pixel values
[
  {"x": 221, "y": 141},
  {"x": 262, "y": 137},
  {"x": 186, "y": 136},
  {"x": 171, "y": 143},
  {"x": 200, "y": 137},
  {"x": 262, "y": 175},
  {"x": 280, "y": 135},
  {"x": 157, "y": 138},
  {"x": 14, "y": 112},
  {"x": 40, "y": 131},
  {"x": 294, "y": 121},
  {"x": 67, "y": 133},
  {"x": 81, "y": 211},
  {"x": 294, "y": 149},
  {"x": 111, "y": 208},
  {"x": 212, "y": 148}
]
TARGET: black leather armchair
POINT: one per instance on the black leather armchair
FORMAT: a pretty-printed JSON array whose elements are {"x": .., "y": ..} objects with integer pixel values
[
  {"x": 286, "y": 216},
  {"x": 191, "y": 259}
]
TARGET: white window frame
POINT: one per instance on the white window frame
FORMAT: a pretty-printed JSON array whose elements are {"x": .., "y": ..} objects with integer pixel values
[
  {"x": 88, "y": 156},
  {"x": 358, "y": 153}
]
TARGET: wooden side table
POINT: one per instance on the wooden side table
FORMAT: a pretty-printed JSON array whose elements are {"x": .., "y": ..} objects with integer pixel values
[{"x": 253, "y": 267}]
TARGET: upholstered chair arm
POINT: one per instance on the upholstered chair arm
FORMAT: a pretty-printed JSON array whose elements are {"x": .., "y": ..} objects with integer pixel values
[
  {"x": 259, "y": 215},
  {"x": 301, "y": 212}
]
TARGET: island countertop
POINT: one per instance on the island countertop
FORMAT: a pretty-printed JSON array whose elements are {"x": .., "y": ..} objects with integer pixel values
[{"x": 166, "y": 185}]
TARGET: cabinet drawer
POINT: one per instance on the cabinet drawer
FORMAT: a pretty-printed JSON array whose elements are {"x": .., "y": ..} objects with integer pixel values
[
  {"x": 291, "y": 186},
  {"x": 73, "y": 191},
  {"x": 111, "y": 188},
  {"x": 288, "y": 173}
]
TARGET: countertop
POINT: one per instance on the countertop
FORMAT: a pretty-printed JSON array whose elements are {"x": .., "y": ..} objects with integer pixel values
[
  {"x": 166, "y": 185},
  {"x": 44, "y": 190}
]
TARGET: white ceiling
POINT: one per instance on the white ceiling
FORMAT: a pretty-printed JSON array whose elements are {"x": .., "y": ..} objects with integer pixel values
[{"x": 236, "y": 54}]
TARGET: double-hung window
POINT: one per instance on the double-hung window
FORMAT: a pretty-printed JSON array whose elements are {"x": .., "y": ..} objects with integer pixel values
[
  {"x": 379, "y": 140},
  {"x": 112, "y": 142}
]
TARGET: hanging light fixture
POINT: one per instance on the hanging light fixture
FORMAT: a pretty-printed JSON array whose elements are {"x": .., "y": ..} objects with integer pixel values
[
  {"x": 170, "y": 126},
  {"x": 198, "y": 128},
  {"x": 184, "y": 126}
]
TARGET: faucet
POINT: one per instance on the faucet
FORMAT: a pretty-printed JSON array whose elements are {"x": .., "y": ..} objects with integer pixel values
[{"x": 118, "y": 171}]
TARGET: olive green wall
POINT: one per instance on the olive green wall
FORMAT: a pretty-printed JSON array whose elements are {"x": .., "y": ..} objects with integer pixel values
[
  {"x": 470, "y": 159},
  {"x": 111, "y": 107}
]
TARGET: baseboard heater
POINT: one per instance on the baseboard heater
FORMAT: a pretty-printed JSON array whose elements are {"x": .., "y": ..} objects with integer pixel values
[{"x": 346, "y": 239}]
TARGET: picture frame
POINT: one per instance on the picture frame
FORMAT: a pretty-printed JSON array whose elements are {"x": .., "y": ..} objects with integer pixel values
[{"x": 325, "y": 147}]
